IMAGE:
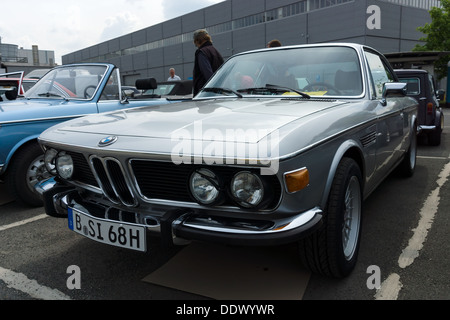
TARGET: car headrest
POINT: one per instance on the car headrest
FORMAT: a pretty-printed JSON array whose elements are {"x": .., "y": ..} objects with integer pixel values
[
  {"x": 146, "y": 84},
  {"x": 11, "y": 94}
]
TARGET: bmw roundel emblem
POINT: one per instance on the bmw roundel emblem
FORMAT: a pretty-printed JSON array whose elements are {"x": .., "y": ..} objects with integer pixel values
[{"x": 107, "y": 141}]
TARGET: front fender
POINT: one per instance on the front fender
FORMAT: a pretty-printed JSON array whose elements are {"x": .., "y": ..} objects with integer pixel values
[
  {"x": 348, "y": 148},
  {"x": 16, "y": 147}
]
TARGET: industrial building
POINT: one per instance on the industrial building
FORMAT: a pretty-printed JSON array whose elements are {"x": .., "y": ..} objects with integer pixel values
[
  {"x": 237, "y": 26},
  {"x": 15, "y": 58}
]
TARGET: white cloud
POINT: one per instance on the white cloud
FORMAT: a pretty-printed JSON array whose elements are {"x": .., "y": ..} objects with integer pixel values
[
  {"x": 118, "y": 25},
  {"x": 64, "y": 27}
]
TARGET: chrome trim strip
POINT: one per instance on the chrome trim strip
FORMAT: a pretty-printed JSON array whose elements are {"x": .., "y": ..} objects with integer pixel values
[
  {"x": 297, "y": 221},
  {"x": 43, "y": 119}
]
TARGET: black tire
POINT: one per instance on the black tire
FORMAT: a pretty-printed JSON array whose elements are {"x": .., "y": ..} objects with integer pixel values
[
  {"x": 408, "y": 165},
  {"x": 327, "y": 251},
  {"x": 434, "y": 137},
  {"x": 25, "y": 170}
]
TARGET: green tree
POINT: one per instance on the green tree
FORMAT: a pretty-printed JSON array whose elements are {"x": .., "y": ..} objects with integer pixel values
[{"x": 437, "y": 36}]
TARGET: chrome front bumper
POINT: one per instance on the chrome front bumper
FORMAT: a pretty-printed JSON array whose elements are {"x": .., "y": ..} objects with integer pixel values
[{"x": 179, "y": 224}]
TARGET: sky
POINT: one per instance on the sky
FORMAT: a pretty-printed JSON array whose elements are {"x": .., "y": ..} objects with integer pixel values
[{"x": 65, "y": 26}]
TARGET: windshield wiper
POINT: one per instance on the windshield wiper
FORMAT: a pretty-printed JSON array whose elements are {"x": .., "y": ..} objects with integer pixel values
[
  {"x": 222, "y": 90},
  {"x": 49, "y": 94},
  {"x": 276, "y": 88}
]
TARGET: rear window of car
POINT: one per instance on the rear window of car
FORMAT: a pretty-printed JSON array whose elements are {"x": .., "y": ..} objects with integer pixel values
[{"x": 412, "y": 86}]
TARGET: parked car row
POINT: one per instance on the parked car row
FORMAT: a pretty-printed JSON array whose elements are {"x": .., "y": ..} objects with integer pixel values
[
  {"x": 282, "y": 145},
  {"x": 14, "y": 84},
  {"x": 421, "y": 86},
  {"x": 64, "y": 93}
]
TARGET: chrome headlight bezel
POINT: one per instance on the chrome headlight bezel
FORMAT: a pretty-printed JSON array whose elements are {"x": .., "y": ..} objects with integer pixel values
[
  {"x": 64, "y": 165},
  {"x": 250, "y": 187},
  {"x": 50, "y": 161},
  {"x": 205, "y": 187}
]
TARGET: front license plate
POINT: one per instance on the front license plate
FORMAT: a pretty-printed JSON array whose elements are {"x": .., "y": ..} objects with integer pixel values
[{"x": 112, "y": 233}]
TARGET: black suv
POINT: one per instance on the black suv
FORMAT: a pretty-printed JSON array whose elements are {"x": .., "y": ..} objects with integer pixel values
[{"x": 420, "y": 85}]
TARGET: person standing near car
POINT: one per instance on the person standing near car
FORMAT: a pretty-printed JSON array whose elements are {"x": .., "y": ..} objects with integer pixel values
[
  {"x": 274, "y": 43},
  {"x": 207, "y": 59},
  {"x": 173, "y": 76}
]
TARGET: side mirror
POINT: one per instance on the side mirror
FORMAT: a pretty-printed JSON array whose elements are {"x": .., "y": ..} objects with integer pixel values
[
  {"x": 391, "y": 89},
  {"x": 123, "y": 97},
  {"x": 440, "y": 94}
]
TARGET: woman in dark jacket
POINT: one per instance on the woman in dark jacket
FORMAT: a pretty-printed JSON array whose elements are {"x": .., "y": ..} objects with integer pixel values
[{"x": 207, "y": 59}]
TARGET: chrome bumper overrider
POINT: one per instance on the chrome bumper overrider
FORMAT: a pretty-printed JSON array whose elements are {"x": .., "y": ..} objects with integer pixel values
[
  {"x": 426, "y": 128},
  {"x": 45, "y": 185},
  {"x": 186, "y": 224}
]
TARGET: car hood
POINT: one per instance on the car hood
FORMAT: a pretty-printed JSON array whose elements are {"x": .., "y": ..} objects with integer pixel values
[
  {"x": 220, "y": 120},
  {"x": 198, "y": 127},
  {"x": 22, "y": 109}
]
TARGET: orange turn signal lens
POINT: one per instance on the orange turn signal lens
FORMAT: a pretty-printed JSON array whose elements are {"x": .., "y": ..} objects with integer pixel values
[{"x": 297, "y": 180}]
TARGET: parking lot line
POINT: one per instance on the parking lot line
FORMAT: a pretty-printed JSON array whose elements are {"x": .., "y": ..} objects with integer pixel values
[
  {"x": 22, "y": 222},
  {"x": 391, "y": 286},
  {"x": 21, "y": 282},
  {"x": 432, "y": 158}
]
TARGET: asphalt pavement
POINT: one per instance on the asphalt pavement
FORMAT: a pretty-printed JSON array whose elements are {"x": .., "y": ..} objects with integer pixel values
[{"x": 403, "y": 254}]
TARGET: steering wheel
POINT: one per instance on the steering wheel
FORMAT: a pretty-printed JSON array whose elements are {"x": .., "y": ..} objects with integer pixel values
[
  {"x": 89, "y": 91},
  {"x": 321, "y": 85}
]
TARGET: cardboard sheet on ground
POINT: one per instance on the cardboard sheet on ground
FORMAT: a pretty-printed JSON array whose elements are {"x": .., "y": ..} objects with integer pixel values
[{"x": 234, "y": 273}]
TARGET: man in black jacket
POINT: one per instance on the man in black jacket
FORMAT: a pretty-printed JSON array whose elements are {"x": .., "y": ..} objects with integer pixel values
[{"x": 207, "y": 59}]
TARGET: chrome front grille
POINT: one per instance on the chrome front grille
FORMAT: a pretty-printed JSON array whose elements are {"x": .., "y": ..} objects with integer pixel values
[
  {"x": 111, "y": 178},
  {"x": 123, "y": 183}
]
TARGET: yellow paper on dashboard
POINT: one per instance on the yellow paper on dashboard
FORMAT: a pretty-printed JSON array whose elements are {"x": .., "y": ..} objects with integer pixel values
[{"x": 313, "y": 93}]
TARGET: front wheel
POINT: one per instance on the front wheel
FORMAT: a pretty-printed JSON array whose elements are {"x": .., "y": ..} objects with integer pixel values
[
  {"x": 408, "y": 165},
  {"x": 27, "y": 168},
  {"x": 333, "y": 249}
]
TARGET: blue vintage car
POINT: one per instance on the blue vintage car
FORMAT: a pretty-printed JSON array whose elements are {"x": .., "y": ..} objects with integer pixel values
[{"x": 64, "y": 93}]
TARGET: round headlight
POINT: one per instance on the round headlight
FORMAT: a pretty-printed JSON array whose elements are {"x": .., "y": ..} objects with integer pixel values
[
  {"x": 204, "y": 186},
  {"x": 247, "y": 189},
  {"x": 49, "y": 160},
  {"x": 64, "y": 165}
]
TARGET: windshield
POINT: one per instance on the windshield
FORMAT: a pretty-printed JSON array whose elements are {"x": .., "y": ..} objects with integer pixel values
[
  {"x": 307, "y": 71},
  {"x": 163, "y": 89},
  {"x": 71, "y": 82}
]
